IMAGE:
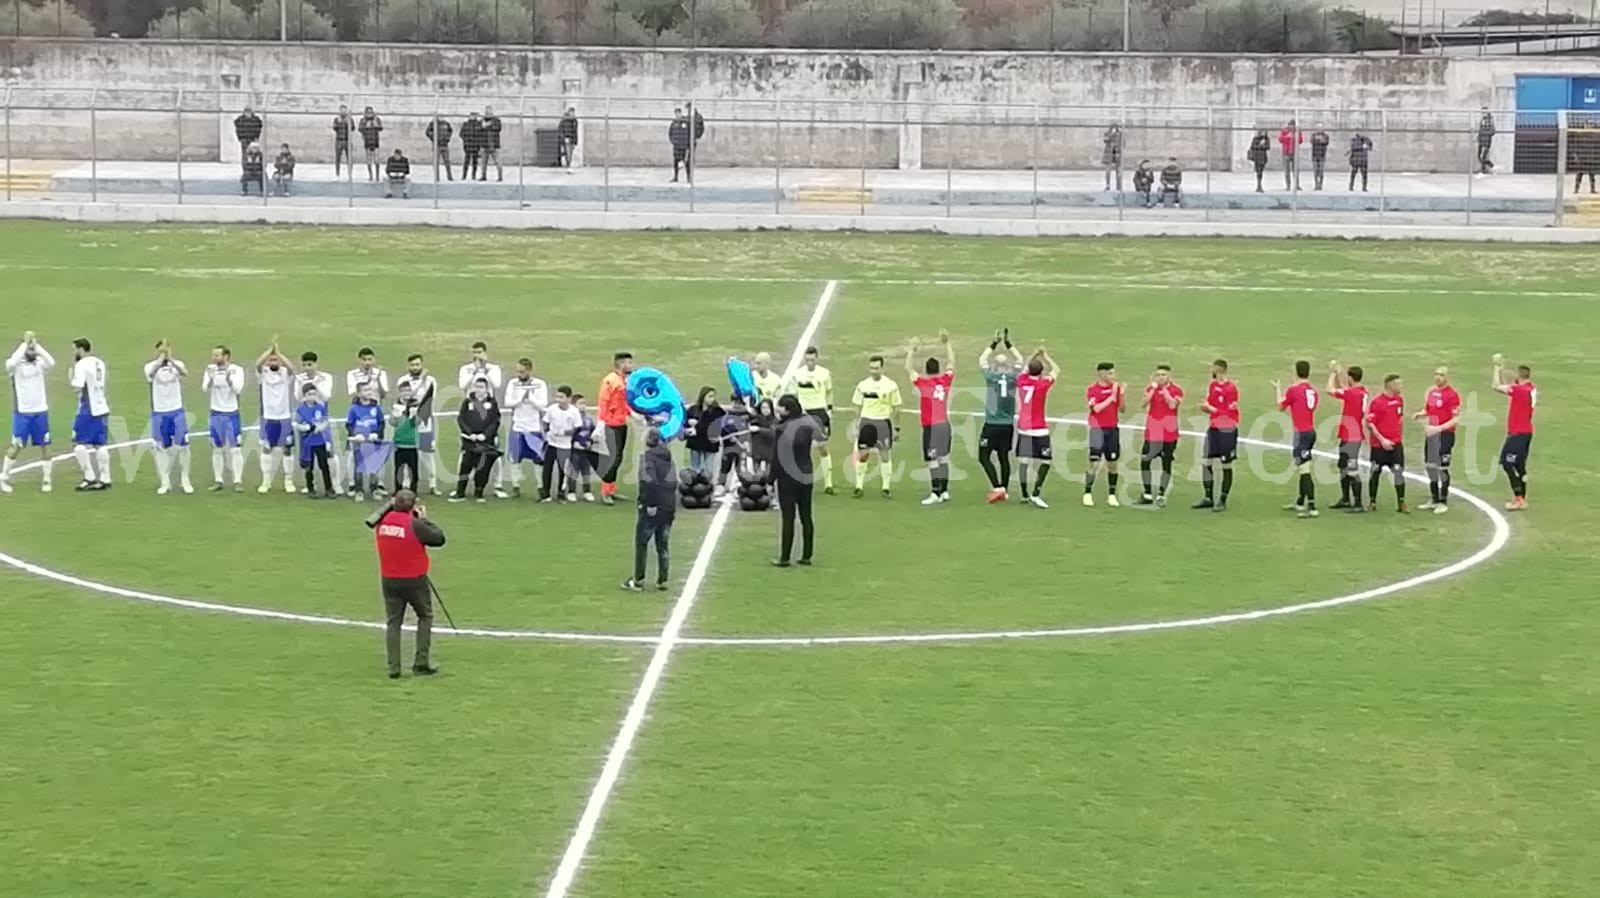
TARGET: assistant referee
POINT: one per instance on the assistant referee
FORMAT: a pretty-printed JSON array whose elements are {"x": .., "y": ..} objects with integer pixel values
[
  {"x": 798, "y": 433},
  {"x": 404, "y": 534}
]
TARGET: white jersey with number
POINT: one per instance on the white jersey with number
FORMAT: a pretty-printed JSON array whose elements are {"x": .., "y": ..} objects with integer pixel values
[
  {"x": 527, "y": 400},
  {"x": 166, "y": 384},
  {"x": 29, "y": 388},
  {"x": 88, "y": 379},
  {"x": 277, "y": 393},
  {"x": 224, "y": 386}
]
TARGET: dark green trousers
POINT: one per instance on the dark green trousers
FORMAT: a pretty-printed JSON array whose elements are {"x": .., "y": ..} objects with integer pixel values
[{"x": 398, "y": 594}]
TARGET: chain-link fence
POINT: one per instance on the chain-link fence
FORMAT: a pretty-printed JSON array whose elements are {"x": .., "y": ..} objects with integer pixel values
[{"x": 864, "y": 158}]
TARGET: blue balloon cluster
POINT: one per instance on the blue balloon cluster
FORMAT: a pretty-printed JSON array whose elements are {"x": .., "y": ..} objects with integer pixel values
[
  {"x": 742, "y": 380},
  {"x": 652, "y": 394}
]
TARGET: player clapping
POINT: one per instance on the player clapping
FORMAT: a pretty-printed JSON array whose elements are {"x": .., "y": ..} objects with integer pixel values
[
  {"x": 29, "y": 367},
  {"x": 169, "y": 426},
  {"x": 1386, "y": 430},
  {"x": 1524, "y": 398},
  {"x": 877, "y": 400},
  {"x": 1033, "y": 429},
  {"x": 1344, "y": 384},
  {"x": 275, "y": 436},
  {"x": 1161, "y": 400},
  {"x": 1301, "y": 401},
  {"x": 1442, "y": 411},
  {"x": 1000, "y": 368},
  {"x": 223, "y": 382},
  {"x": 1105, "y": 400},
  {"x": 933, "y": 390},
  {"x": 1222, "y": 437},
  {"x": 89, "y": 426}
]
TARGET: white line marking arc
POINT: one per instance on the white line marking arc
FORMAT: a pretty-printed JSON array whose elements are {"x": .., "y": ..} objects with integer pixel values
[
  {"x": 578, "y": 847},
  {"x": 1498, "y": 540}
]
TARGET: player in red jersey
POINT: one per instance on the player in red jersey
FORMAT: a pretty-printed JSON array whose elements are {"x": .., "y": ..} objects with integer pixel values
[
  {"x": 1161, "y": 400},
  {"x": 933, "y": 387},
  {"x": 1344, "y": 384},
  {"x": 1104, "y": 397},
  {"x": 1222, "y": 436},
  {"x": 1033, "y": 431},
  {"x": 1301, "y": 401},
  {"x": 1524, "y": 398},
  {"x": 1442, "y": 409},
  {"x": 1386, "y": 422}
]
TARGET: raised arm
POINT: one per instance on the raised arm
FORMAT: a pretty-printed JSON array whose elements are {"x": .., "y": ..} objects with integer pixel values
[
  {"x": 1336, "y": 377},
  {"x": 911, "y": 353},
  {"x": 1051, "y": 369},
  {"x": 1498, "y": 377},
  {"x": 949, "y": 350}
]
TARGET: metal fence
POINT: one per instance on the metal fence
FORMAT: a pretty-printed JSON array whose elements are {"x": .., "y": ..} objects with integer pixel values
[{"x": 1226, "y": 164}]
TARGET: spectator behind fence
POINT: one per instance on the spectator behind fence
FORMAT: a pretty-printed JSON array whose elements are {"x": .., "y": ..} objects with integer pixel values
[
  {"x": 252, "y": 170},
  {"x": 247, "y": 127},
  {"x": 567, "y": 133},
  {"x": 398, "y": 170},
  {"x": 1144, "y": 178},
  {"x": 371, "y": 128},
  {"x": 1360, "y": 150},
  {"x": 1583, "y": 147},
  {"x": 678, "y": 136},
  {"x": 1485, "y": 142},
  {"x": 1111, "y": 153},
  {"x": 1260, "y": 146},
  {"x": 491, "y": 145},
  {"x": 472, "y": 143},
  {"x": 1172, "y": 183},
  {"x": 1289, "y": 140},
  {"x": 343, "y": 124},
  {"x": 438, "y": 134},
  {"x": 1319, "y": 155},
  {"x": 283, "y": 170}
]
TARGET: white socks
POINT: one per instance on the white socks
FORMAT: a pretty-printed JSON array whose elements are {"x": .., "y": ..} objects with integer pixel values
[
  {"x": 85, "y": 457},
  {"x": 269, "y": 466},
  {"x": 6, "y": 464},
  {"x": 290, "y": 468},
  {"x": 219, "y": 464},
  {"x": 236, "y": 456},
  {"x": 164, "y": 467},
  {"x": 336, "y": 468},
  {"x": 183, "y": 464},
  {"x": 430, "y": 473}
]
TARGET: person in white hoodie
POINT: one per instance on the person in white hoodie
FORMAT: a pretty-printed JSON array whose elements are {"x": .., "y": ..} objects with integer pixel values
[
  {"x": 90, "y": 425},
  {"x": 526, "y": 397},
  {"x": 477, "y": 367},
  {"x": 28, "y": 367},
  {"x": 223, "y": 383}
]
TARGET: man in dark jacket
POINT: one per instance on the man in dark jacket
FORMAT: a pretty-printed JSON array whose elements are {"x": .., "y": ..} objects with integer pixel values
[
  {"x": 472, "y": 144},
  {"x": 1583, "y": 147},
  {"x": 398, "y": 169},
  {"x": 1360, "y": 151},
  {"x": 567, "y": 131},
  {"x": 1485, "y": 142},
  {"x": 343, "y": 124},
  {"x": 1260, "y": 146},
  {"x": 404, "y": 535},
  {"x": 679, "y": 136},
  {"x": 1144, "y": 178},
  {"x": 439, "y": 133},
  {"x": 371, "y": 128},
  {"x": 658, "y": 487},
  {"x": 247, "y": 127},
  {"x": 491, "y": 145},
  {"x": 1319, "y": 155},
  {"x": 792, "y": 470}
]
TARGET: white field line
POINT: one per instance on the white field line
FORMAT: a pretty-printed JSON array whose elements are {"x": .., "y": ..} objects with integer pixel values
[
  {"x": 1497, "y": 542},
  {"x": 1022, "y": 284},
  {"x": 611, "y": 771}
]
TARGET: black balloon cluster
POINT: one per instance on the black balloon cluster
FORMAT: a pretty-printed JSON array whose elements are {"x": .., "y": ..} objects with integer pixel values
[
  {"x": 695, "y": 489},
  {"x": 755, "y": 493}
]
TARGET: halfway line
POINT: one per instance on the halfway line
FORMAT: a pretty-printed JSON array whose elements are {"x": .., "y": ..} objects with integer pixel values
[{"x": 633, "y": 719}]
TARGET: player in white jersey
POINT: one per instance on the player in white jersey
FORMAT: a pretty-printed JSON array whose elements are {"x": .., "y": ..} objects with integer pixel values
[
  {"x": 480, "y": 366},
  {"x": 169, "y": 426},
  {"x": 526, "y": 397},
  {"x": 310, "y": 375},
  {"x": 28, "y": 367},
  {"x": 223, "y": 383},
  {"x": 88, "y": 380},
  {"x": 366, "y": 373},
  {"x": 275, "y": 435},
  {"x": 424, "y": 392}
]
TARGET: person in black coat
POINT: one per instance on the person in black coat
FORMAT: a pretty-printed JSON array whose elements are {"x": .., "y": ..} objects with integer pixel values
[
  {"x": 1260, "y": 147},
  {"x": 248, "y": 128},
  {"x": 491, "y": 145},
  {"x": 798, "y": 433},
  {"x": 1360, "y": 151},
  {"x": 567, "y": 131},
  {"x": 473, "y": 140},
  {"x": 479, "y": 423},
  {"x": 658, "y": 495},
  {"x": 439, "y": 133},
  {"x": 703, "y": 430},
  {"x": 679, "y": 135},
  {"x": 763, "y": 440}
]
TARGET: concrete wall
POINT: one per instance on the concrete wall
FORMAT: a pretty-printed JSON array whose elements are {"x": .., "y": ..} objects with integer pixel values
[{"x": 803, "y": 108}]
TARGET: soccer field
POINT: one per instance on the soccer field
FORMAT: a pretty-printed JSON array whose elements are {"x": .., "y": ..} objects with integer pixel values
[{"x": 1241, "y": 704}]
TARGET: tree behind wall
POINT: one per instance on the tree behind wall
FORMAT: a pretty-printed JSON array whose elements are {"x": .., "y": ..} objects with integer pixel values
[
  {"x": 878, "y": 24},
  {"x": 54, "y": 19},
  {"x": 226, "y": 20}
]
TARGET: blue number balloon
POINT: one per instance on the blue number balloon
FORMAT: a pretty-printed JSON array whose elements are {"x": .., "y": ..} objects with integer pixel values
[
  {"x": 652, "y": 394},
  {"x": 742, "y": 380}
]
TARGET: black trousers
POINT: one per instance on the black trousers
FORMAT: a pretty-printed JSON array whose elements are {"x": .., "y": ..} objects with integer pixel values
[
  {"x": 652, "y": 527},
  {"x": 474, "y": 467},
  {"x": 616, "y": 443},
  {"x": 405, "y": 468},
  {"x": 398, "y": 595},
  {"x": 469, "y": 164},
  {"x": 556, "y": 460},
  {"x": 794, "y": 501},
  {"x": 319, "y": 458}
]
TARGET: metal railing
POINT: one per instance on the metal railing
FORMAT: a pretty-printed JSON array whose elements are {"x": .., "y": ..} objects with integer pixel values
[{"x": 1367, "y": 165}]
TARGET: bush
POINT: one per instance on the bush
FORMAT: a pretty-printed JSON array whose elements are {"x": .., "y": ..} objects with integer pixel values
[
  {"x": 879, "y": 24},
  {"x": 455, "y": 22},
  {"x": 229, "y": 21},
  {"x": 1256, "y": 26},
  {"x": 1495, "y": 18},
  {"x": 719, "y": 23},
  {"x": 46, "y": 20}
]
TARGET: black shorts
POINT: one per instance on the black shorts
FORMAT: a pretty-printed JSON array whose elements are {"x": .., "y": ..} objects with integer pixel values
[
  {"x": 1165, "y": 450},
  {"x": 1222, "y": 445},
  {"x": 875, "y": 433},
  {"x": 1303, "y": 441},
  {"x": 1349, "y": 455},
  {"x": 997, "y": 436},
  {"x": 1105, "y": 442},
  {"x": 820, "y": 415},
  {"x": 1516, "y": 448},
  {"x": 1393, "y": 459},
  {"x": 1034, "y": 447},
  {"x": 1439, "y": 448},
  {"x": 936, "y": 441}
]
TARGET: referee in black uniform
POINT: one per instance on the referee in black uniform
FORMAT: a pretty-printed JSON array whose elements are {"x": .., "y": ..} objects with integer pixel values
[{"x": 798, "y": 434}]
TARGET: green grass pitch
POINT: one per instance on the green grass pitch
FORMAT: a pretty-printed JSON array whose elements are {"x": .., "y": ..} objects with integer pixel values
[{"x": 1436, "y": 742}]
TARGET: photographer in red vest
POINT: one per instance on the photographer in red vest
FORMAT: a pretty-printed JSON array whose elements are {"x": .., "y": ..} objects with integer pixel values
[{"x": 404, "y": 534}]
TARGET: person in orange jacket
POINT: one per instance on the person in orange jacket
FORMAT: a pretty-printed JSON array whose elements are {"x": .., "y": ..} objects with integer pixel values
[
  {"x": 613, "y": 412},
  {"x": 1289, "y": 139}
]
